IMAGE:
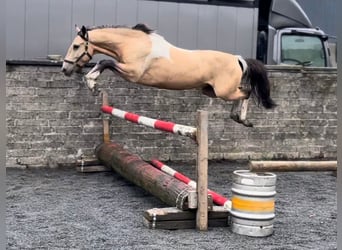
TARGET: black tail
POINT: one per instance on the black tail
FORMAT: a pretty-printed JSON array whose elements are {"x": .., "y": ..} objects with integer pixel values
[{"x": 257, "y": 75}]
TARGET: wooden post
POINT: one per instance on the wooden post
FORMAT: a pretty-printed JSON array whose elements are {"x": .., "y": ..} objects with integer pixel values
[
  {"x": 106, "y": 137},
  {"x": 202, "y": 171}
]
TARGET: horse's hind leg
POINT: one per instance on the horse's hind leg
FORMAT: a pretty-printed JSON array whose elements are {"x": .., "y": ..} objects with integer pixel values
[
  {"x": 239, "y": 112},
  {"x": 239, "y": 109},
  {"x": 208, "y": 91},
  {"x": 96, "y": 71}
]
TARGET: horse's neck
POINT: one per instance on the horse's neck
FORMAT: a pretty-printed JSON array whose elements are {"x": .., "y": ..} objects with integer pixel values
[
  {"x": 115, "y": 43},
  {"x": 106, "y": 42}
]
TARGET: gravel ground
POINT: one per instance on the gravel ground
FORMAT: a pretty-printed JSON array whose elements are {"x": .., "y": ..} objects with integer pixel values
[{"x": 63, "y": 209}]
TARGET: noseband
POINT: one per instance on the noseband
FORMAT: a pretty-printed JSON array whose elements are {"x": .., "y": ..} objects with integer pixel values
[{"x": 85, "y": 53}]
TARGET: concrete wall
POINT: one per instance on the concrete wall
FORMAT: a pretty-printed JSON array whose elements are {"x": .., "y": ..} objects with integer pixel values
[{"x": 52, "y": 120}]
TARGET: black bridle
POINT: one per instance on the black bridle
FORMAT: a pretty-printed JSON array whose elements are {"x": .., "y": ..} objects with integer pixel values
[{"x": 85, "y": 53}]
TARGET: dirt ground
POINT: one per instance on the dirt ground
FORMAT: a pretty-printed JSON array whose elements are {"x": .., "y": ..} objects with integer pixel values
[{"x": 63, "y": 209}]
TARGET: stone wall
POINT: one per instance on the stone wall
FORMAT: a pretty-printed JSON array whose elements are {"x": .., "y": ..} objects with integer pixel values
[{"x": 53, "y": 120}]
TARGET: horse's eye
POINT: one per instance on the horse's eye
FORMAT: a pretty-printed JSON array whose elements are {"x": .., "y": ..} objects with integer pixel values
[{"x": 75, "y": 47}]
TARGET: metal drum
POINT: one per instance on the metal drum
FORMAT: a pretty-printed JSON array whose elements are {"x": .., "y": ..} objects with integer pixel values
[{"x": 253, "y": 200}]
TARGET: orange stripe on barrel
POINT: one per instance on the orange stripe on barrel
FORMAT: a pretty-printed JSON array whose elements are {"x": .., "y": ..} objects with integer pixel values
[{"x": 252, "y": 205}]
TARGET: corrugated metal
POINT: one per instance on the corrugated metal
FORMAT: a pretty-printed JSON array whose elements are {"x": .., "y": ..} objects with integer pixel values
[
  {"x": 126, "y": 12},
  {"x": 60, "y": 26},
  {"x": 168, "y": 21},
  {"x": 82, "y": 12},
  {"x": 36, "y": 28},
  {"x": 245, "y": 33},
  {"x": 187, "y": 26},
  {"x": 104, "y": 12},
  {"x": 207, "y": 27},
  {"x": 148, "y": 13},
  {"x": 15, "y": 29},
  {"x": 226, "y": 31}
]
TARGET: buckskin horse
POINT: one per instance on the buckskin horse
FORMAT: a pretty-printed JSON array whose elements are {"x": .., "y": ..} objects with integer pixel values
[{"x": 142, "y": 56}]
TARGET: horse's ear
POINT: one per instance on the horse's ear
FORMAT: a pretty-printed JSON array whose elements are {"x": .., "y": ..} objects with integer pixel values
[
  {"x": 84, "y": 33},
  {"x": 84, "y": 30},
  {"x": 77, "y": 28}
]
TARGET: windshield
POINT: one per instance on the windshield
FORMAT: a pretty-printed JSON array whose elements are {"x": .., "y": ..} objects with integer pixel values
[{"x": 302, "y": 50}]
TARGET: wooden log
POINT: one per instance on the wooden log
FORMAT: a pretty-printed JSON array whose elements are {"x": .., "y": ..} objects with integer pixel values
[
  {"x": 168, "y": 189},
  {"x": 202, "y": 171},
  {"x": 173, "y": 218},
  {"x": 274, "y": 166}
]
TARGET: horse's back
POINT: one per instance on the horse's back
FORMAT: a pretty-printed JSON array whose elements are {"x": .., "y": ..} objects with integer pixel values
[{"x": 186, "y": 69}]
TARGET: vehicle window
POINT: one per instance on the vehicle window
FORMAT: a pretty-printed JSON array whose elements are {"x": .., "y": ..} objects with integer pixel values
[{"x": 302, "y": 50}]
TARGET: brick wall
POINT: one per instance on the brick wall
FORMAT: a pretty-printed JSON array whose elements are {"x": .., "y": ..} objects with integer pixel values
[{"x": 52, "y": 119}]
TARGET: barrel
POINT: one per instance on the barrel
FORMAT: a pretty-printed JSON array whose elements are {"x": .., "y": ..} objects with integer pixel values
[{"x": 253, "y": 203}]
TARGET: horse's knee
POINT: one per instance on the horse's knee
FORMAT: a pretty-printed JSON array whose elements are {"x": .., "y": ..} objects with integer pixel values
[{"x": 106, "y": 64}]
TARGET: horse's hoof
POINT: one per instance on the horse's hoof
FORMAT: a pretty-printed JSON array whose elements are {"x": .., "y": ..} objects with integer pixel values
[
  {"x": 247, "y": 123},
  {"x": 236, "y": 118},
  {"x": 95, "y": 92},
  {"x": 90, "y": 83}
]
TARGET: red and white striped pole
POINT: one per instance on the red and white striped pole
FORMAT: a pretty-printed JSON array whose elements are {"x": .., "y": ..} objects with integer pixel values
[
  {"x": 217, "y": 198},
  {"x": 153, "y": 123}
]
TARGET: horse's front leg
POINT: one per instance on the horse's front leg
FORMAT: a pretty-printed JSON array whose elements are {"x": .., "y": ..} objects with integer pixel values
[
  {"x": 239, "y": 112},
  {"x": 95, "y": 72}
]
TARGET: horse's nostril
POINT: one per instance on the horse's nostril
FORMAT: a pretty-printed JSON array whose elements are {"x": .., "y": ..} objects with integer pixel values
[{"x": 63, "y": 69}]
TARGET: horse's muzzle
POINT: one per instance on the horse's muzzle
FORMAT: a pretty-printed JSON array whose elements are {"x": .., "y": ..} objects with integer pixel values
[
  {"x": 66, "y": 72},
  {"x": 67, "y": 69}
]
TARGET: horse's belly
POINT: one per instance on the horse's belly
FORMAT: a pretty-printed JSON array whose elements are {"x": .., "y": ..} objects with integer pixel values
[{"x": 171, "y": 76}]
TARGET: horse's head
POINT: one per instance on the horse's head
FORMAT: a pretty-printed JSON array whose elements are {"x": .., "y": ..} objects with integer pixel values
[{"x": 79, "y": 53}]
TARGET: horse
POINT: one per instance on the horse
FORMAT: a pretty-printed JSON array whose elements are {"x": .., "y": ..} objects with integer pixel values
[{"x": 142, "y": 56}]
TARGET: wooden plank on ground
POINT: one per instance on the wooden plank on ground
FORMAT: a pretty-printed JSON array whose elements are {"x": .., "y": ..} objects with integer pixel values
[
  {"x": 93, "y": 169},
  {"x": 87, "y": 162},
  {"x": 173, "y": 218},
  {"x": 185, "y": 224},
  {"x": 90, "y": 165}
]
